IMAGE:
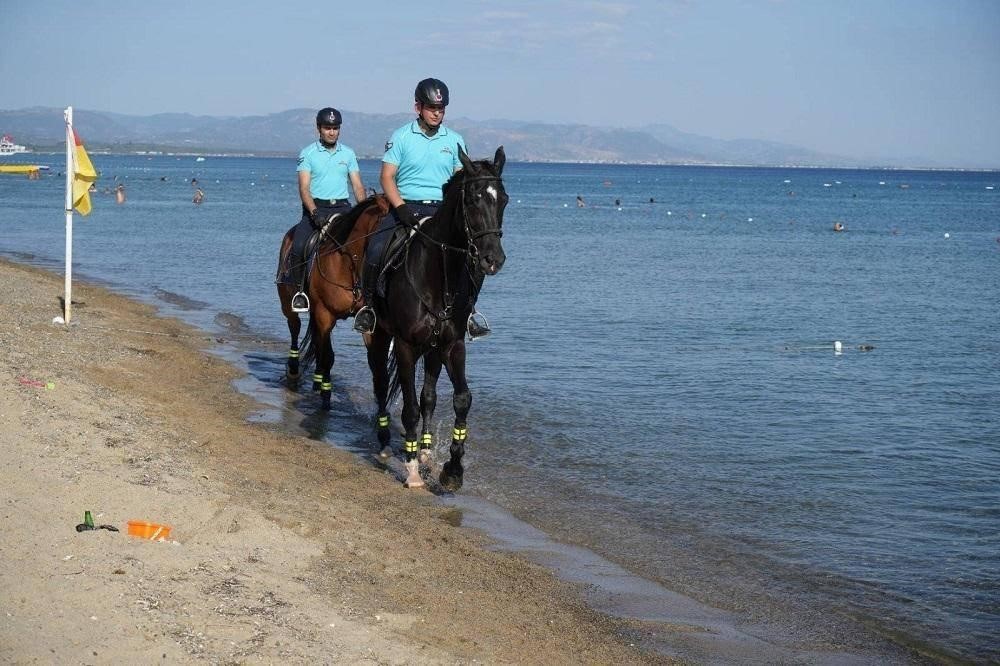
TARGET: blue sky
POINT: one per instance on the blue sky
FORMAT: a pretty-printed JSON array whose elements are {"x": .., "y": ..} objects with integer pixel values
[{"x": 906, "y": 79}]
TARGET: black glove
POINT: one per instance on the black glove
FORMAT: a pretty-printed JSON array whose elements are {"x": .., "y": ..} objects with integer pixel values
[
  {"x": 316, "y": 219},
  {"x": 406, "y": 216}
]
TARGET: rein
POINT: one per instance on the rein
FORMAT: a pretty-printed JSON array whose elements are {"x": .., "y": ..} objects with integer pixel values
[{"x": 470, "y": 251}]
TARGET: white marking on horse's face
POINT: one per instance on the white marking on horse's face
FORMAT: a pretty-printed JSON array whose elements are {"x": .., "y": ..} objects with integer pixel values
[{"x": 492, "y": 191}]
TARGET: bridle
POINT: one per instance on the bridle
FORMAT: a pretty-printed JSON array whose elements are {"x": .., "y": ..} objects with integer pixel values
[
  {"x": 471, "y": 238},
  {"x": 471, "y": 251}
]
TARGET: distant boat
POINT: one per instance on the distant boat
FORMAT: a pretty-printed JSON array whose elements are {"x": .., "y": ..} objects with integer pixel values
[
  {"x": 199, "y": 159},
  {"x": 8, "y": 147}
]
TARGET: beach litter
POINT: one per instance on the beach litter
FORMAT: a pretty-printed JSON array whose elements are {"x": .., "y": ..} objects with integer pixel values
[
  {"x": 149, "y": 531},
  {"x": 26, "y": 381},
  {"x": 88, "y": 524}
]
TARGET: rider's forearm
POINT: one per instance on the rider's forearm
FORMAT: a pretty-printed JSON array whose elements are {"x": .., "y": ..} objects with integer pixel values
[{"x": 388, "y": 181}]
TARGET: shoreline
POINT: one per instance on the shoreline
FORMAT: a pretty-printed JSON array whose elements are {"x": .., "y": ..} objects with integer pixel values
[
  {"x": 329, "y": 509},
  {"x": 282, "y": 547},
  {"x": 707, "y": 165}
]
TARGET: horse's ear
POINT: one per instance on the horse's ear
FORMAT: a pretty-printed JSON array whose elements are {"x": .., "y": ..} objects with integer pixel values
[
  {"x": 466, "y": 162},
  {"x": 498, "y": 160}
]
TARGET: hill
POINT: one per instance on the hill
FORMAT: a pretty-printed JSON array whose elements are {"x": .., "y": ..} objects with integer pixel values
[{"x": 286, "y": 132}]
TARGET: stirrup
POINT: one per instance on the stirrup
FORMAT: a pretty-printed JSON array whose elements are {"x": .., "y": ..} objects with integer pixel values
[
  {"x": 364, "y": 320},
  {"x": 476, "y": 328},
  {"x": 300, "y": 302}
]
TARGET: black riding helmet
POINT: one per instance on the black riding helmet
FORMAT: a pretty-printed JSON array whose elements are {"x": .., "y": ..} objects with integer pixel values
[
  {"x": 431, "y": 91},
  {"x": 328, "y": 116}
]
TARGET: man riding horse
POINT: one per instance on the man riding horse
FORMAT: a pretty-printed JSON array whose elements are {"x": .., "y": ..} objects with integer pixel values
[
  {"x": 419, "y": 159},
  {"x": 325, "y": 167}
]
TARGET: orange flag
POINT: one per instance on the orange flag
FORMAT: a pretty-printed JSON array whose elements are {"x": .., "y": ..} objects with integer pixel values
[{"x": 84, "y": 176}]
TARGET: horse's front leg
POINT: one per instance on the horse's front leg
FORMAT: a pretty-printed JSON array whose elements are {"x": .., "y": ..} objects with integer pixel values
[
  {"x": 323, "y": 320},
  {"x": 292, "y": 372},
  {"x": 406, "y": 362},
  {"x": 452, "y": 472},
  {"x": 428, "y": 402},
  {"x": 378, "y": 354}
]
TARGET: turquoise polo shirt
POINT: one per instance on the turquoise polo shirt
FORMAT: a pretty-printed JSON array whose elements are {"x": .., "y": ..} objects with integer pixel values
[
  {"x": 328, "y": 169},
  {"x": 424, "y": 163}
]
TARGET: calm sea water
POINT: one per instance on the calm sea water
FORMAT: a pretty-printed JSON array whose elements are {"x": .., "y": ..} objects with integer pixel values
[{"x": 662, "y": 385}]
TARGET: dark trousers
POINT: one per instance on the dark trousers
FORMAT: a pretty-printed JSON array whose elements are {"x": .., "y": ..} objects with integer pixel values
[
  {"x": 386, "y": 227},
  {"x": 303, "y": 230}
]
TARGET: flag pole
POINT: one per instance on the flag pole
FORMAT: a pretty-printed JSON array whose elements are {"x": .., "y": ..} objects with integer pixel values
[{"x": 70, "y": 143}]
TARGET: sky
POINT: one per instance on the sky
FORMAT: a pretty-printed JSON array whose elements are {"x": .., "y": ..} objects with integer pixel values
[{"x": 902, "y": 79}]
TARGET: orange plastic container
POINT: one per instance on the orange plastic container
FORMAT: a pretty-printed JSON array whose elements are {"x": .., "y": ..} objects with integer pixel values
[{"x": 151, "y": 531}]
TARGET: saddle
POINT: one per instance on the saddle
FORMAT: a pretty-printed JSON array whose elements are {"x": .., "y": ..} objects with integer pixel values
[
  {"x": 291, "y": 271},
  {"x": 394, "y": 253}
]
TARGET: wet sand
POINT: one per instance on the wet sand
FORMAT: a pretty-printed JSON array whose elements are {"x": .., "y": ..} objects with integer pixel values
[{"x": 282, "y": 548}]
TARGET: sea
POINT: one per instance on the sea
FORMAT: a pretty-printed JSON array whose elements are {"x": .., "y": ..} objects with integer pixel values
[{"x": 692, "y": 378}]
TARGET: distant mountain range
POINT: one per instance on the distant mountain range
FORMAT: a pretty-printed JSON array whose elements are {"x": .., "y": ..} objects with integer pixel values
[{"x": 285, "y": 133}]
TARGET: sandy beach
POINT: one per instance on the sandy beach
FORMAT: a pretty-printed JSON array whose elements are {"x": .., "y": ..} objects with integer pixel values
[{"x": 282, "y": 549}]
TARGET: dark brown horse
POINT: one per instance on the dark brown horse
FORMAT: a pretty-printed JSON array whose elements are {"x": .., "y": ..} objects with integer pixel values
[
  {"x": 427, "y": 302},
  {"x": 333, "y": 286}
]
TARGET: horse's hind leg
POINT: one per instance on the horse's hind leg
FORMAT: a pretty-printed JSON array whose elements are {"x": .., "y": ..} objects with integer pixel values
[
  {"x": 314, "y": 335},
  {"x": 292, "y": 372},
  {"x": 378, "y": 354},
  {"x": 452, "y": 472},
  {"x": 428, "y": 401}
]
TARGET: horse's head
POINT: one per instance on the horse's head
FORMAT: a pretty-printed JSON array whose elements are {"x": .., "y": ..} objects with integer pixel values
[{"x": 483, "y": 202}]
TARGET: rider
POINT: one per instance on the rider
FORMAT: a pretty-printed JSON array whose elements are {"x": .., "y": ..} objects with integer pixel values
[
  {"x": 325, "y": 167},
  {"x": 419, "y": 159}
]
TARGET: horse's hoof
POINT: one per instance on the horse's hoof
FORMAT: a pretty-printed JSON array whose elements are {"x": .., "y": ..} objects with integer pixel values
[
  {"x": 424, "y": 457},
  {"x": 385, "y": 455},
  {"x": 325, "y": 396},
  {"x": 451, "y": 479},
  {"x": 413, "y": 479},
  {"x": 293, "y": 376}
]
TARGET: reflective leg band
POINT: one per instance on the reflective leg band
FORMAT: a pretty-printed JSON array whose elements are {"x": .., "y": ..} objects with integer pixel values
[
  {"x": 383, "y": 422},
  {"x": 410, "y": 446},
  {"x": 426, "y": 442},
  {"x": 293, "y": 353},
  {"x": 317, "y": 378},
  {"x": 459, "y": 434},
  {"x": 326, "y": 386}
]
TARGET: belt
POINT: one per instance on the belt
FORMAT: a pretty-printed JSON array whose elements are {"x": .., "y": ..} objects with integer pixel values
[
  {"x": 414, "y": 201},
  {"x": 328, "y": 202}
]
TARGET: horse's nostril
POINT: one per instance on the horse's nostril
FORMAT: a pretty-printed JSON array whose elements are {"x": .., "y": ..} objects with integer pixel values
[{"x": 491, "y": 264}]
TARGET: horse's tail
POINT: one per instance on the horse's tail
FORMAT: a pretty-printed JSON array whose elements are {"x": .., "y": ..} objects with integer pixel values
[
  {"x": 307, "y": 351},
  {"x": 394, "y": 385}
]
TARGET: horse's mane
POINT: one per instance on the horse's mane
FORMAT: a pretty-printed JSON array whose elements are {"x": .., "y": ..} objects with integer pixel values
[
  {"x": 460, "y": 175},
  {"x": 342, "y": 227}
]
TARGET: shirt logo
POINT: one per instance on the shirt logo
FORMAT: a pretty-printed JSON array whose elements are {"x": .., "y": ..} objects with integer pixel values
[
  {"x": 388, "y": 145},
  {"x": 301, "y": 160},
  {"x": 447, "y": 149}
]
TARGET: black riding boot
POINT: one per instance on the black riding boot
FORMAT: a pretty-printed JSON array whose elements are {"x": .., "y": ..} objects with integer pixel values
[{"x": 364, "y": 320}]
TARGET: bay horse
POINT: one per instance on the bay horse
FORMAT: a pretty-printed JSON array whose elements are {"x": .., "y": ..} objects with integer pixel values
[
  {"x": 426, "y": 303},
  {"x": 333, "y": 286}
]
